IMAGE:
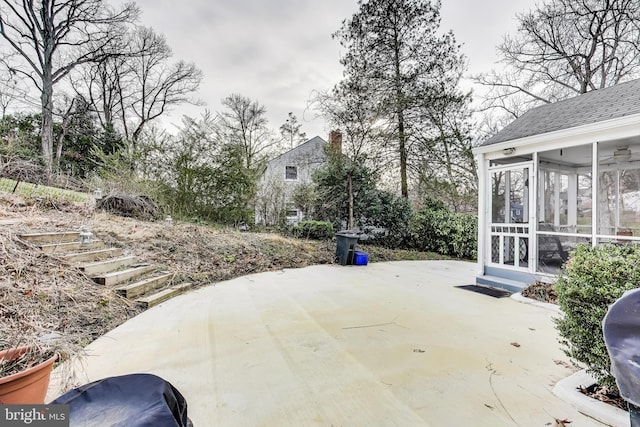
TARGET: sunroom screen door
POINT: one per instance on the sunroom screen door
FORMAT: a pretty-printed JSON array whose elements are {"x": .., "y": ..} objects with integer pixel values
[{"x": 511, "y": 200}]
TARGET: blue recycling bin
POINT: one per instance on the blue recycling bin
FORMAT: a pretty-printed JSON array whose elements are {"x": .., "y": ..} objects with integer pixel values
[{"x": 361, "y": 258}]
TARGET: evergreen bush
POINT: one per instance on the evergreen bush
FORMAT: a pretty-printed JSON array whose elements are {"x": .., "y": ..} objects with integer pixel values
[
  {"x": 593, "y": 279},
  {"x": 436, "y": 229},
  {"x": 317, "y": 230}
]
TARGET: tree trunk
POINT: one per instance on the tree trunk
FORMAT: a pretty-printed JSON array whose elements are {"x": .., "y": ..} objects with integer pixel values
[
  {"x": 402, "y": 137},
  {"x": 59, "y": 150},
  {"x": 403, "y": 155},
  {"x": 47, "y": 121},
  {"x": 47, "y": 89},
  {"x": 350, "y": 187}
]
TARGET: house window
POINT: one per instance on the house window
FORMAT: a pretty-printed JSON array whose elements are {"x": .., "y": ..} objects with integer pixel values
[
  {"x": 291, "y": 173},
  {"x": 292, "y": 213}
]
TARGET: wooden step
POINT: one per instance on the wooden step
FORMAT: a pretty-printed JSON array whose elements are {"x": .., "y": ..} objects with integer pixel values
[
  {"x": 165, "y": 294},
  {"x": 134, "y": 290},
  {"x": 53, "y": 237},
  {"x": 116, "y": 277},
  {"x": 66, "y": 247},
  {"x": 107, "y": 266},
  {"x": 90, "y": 256}
]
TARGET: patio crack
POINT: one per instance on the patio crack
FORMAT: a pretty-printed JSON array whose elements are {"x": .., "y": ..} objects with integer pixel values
[
  {"x": 393, "y": 322},
  {"x": 493, "y": 372}
]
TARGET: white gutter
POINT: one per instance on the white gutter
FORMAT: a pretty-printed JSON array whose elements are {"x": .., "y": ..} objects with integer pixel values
[{"x": 618, "y": 128}]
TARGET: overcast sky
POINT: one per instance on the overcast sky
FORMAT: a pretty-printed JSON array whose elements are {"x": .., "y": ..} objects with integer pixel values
[{"x": 279, "y": 52}]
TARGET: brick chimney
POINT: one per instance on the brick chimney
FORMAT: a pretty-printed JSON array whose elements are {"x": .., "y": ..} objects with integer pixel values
[{"x": 335, "y": 141}]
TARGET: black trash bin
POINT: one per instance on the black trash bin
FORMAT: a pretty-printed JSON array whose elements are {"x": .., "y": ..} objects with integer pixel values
[{"x": 345, "y": 247}]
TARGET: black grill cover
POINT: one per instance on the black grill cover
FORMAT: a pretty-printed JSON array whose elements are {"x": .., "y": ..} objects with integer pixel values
[
  {"x": 136, "y": 400},
  {"x": 621, "y": 327}
]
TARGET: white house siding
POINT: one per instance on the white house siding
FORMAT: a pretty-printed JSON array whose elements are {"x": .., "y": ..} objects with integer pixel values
[{"x": 306, "y": 158}]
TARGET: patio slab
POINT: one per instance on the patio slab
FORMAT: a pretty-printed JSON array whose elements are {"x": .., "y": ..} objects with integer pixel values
[{"x": 389, "y": 344}]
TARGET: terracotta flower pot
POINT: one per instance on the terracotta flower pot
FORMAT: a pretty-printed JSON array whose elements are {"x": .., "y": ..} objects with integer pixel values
[{"x": 26, "y": 387}]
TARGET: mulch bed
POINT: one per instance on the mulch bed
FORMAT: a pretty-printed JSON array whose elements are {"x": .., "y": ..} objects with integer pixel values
[
  {"x": 605, "y": 394},
  {"x": 540, "y": 291}
]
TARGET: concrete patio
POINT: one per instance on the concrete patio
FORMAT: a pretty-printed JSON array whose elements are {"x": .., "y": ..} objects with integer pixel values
[{"x": 389, "y": 344}]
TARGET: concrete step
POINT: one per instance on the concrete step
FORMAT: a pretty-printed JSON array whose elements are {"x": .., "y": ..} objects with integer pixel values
[
  {"x": 134, "y": 290},
  {"x": 107, "y": 266},
  {"x": 66, "y": 247},
  {"x": 500, "y": 282},
  {"x": 122, "y": 276},
  {"x": 165, "y": 294},
  {"x": 53, "y": 237},
  {"x": 90, "y": 256}
]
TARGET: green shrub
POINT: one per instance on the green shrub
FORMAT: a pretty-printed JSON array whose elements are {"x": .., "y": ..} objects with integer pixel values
[
  {"x": 464, "y": 239},
  {"x": 318, "y": 230},
  {"x": 593, "y": 279},
  {"x": 392, "y": 214},
  {"x": 436, "y": 229}
]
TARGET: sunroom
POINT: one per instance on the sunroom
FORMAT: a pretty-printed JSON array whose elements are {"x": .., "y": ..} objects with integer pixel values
[{"x": 559, "y": 175}]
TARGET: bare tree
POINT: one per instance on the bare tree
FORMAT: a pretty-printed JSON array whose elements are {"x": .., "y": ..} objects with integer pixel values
[
  {"x": 244, "y": 123},
  {"x": 140, "y": 85},
  {"x": 564, "y": 48},
  {"x": 55, "y": 36},
  {"x": 158, "y": 85},
  {"x": 12, "y": 90},
  {"x": 103, "y": 85},
  {"x": 290, "y": 131}
]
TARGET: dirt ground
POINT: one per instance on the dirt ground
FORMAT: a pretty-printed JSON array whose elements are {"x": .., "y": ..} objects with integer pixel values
[{"x": 44, "y": 299}]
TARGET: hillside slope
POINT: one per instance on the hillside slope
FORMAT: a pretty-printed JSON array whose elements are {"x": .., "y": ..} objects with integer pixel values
[{"x": 43, "y": 296}]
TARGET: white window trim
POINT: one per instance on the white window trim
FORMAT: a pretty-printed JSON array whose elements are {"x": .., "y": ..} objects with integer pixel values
[{"x": 285, "y": 173}]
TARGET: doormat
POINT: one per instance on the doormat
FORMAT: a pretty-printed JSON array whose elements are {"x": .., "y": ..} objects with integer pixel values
[{"x": 492, "y": 292}]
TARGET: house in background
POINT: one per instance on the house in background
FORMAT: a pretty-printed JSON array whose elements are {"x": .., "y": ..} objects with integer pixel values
[
  {"x": 572, "y": 170},
  {"x": 287, "y": 172}
]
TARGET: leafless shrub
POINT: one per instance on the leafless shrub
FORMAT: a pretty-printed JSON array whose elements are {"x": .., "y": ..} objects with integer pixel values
[{"x": 140, "y": 207}]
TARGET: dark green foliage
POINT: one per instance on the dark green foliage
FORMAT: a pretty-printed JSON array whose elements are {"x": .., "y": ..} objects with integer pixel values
[
  {"x": 435, "y": 228},
  {"x": 332, "y": 190},
  {"x": 218, "y": 190},
  {"x": 373, "y": 209},
  {"x": 318, "y": 230},
  {"x": 391, "y": 213},
  {"x": 80, "y": 138},
  {"x": 20, "y": 137},
  {"x": 388, "y": 219},
  {"x": 593, "y": 279}
]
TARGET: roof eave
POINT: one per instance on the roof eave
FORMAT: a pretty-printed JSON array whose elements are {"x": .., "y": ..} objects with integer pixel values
[{"x": 605, "y": 130}]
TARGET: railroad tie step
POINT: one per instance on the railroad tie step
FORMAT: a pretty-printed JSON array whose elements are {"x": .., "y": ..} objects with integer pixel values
[
  {"x": 107, "y": 266},
  {"x": 121, "y": 276},
  {"x": 54, "y": 248},
  {"x": 163, "y": 295},
  {"x": 90, "y": 256},
  {"x": 134, "y": 290},
  {"x": 52, "y": 237}
]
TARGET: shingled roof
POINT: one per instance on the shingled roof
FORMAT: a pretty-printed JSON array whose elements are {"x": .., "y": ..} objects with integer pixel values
[{"x": 592, "y": 107}]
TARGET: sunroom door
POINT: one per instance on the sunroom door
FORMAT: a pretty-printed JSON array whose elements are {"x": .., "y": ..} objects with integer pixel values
[{"x": 509, "y": 230}]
